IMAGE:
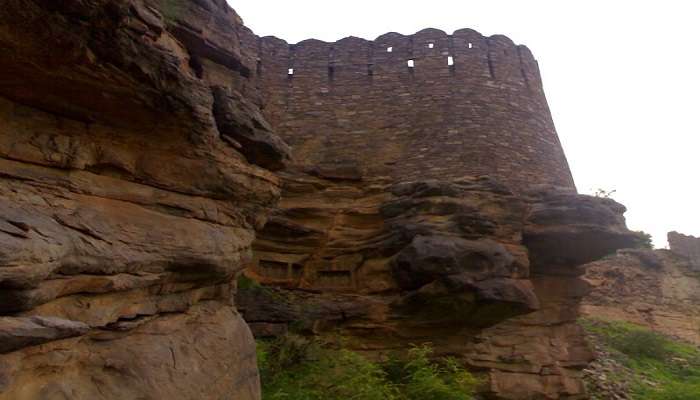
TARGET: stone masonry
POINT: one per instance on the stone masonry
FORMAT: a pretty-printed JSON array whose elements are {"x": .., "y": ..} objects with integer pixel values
[
  {"x": 686, "y": 246},
  {"x": 428, "y": 105}
]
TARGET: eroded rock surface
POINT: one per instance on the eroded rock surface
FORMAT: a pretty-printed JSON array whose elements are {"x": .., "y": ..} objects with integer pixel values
[
  {"x": 482, "y": 273},
  {"x": 658, "y": 289},
  {"x": 686, "y": 246},
  {"x": 135, "y": 167}
]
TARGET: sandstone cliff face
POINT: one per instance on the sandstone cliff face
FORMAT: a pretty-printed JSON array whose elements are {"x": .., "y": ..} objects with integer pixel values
[
  {"x": 132, "y": 181},
  {"x": 658, "y": 289},
  {"x": 482, "y": 273}
]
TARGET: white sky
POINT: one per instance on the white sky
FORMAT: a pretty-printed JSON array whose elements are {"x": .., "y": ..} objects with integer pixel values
[{"x": 622, "y": 79}]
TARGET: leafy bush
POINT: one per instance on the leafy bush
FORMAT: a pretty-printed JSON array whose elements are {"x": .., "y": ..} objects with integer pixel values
[
  {"x": 642, "y": 344},
  {"x": 294, "y": 368},
  {"x": 646, "y": 241},
  {"x": 420, "y": 378},
  {"x": 245, "y": 282},
  {"x": 629, "y": 339}
]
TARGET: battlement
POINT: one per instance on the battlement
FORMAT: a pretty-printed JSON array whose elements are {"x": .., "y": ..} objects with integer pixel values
[
  {"x": 428, "y": 52},
  {"x": 427, "y": 105}
]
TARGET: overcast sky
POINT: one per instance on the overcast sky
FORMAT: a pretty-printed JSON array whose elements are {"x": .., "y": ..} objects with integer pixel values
[{"x": 622, "y": 80}]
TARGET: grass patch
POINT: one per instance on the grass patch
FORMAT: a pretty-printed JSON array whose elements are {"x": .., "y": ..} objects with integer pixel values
[
  {"x": 295, "y": 368},
  {"x": 661, "y": 368}
]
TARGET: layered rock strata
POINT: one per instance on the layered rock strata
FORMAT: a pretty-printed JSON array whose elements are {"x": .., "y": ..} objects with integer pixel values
[
  {"x": 478, "y": 271},
  {"x": 659, "y": 289},
  {"x": 135, "y": 167}
]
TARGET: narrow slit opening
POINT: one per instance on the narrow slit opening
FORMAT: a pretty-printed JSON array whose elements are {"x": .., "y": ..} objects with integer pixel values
[
  {"x": 470, "y": 45},
  {"x": 450, "y": 61}
]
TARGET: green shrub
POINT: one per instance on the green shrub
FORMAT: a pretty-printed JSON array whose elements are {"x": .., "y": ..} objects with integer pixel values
[
  {"x": 295, "y": 368},
  {"x": 642, "y": 344},
  {"x": 632, "y": 340},
  {"x": 646, "y": 241},
  {"x": 420, "y": 378},
  {"x": 244, "y": 282}
]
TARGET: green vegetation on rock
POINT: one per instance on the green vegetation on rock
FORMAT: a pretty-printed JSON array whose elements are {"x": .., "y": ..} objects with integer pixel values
[
  {"x": 656, "y": 367},
  {"x": 172, "y": 9},
  {"x": 295, "y": 368}
]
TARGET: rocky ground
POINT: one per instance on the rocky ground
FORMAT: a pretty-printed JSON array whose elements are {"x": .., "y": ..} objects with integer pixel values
[{"x": 605, "y": 377}]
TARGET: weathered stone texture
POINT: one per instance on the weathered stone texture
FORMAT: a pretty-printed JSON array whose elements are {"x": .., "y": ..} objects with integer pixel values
[
  {"x": 467, "y": 265},
  {"x": 354, "y": 101},
  {"x": 132, "y": 180},
  {"x": 686, "y": 246},
  {"x": 658, "y": 289},
  {"x": 427, "y": 202}
]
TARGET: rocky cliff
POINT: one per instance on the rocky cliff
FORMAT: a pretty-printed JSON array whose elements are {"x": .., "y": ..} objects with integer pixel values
[
  {"x": 481, "y": 273},
  {"x": 131, "y": 186},
  {"x": 658, "y": 289},
  {"x": 137, "y": 164}
]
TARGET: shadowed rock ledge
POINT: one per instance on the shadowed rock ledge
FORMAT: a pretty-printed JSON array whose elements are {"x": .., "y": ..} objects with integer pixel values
[{"x": 484, "y": 274}]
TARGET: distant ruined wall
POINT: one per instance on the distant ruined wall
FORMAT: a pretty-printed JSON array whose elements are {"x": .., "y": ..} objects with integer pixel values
[
  {"x": 686, "y": 246},
  {"x": 358, "y": 102}
]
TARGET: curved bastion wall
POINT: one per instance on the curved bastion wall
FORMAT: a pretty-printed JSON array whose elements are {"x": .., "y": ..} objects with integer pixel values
[{"x": 428, "y": 105}]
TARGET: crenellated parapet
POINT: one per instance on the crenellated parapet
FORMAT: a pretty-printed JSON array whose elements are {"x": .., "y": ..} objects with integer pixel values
[
  {"x": 431, "y": 52},
  {"x": 416, "y": 106}
]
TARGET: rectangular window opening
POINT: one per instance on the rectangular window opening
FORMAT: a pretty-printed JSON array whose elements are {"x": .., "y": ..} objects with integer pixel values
[
  {"x": 470, "y": 45},
  {"x": 389, "y": 49},
  {"x": 411, "y": 64},
  {"x": 431, "y": 45},
  {"x": 450, "y": 61},
  {"x": 290, "y": 71}
]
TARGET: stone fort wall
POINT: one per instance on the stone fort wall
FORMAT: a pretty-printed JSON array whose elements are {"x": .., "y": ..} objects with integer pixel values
[
  {"x": 686, "y": 246},
  {"x": 428, "y": 105}
]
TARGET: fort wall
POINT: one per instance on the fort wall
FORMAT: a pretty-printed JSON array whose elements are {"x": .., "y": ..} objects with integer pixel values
[
  {"x": 686, "y": 246},
  {"x": 428, "y": 105}
]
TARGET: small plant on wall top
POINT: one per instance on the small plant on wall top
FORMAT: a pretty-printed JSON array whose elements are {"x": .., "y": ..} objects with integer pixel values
[{"x": 606, "y": 194}]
